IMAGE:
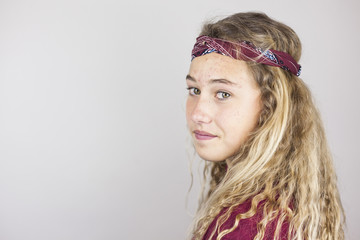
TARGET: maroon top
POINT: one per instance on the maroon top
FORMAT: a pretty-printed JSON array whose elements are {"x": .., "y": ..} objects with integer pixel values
[{"x": 247, "y": 228}]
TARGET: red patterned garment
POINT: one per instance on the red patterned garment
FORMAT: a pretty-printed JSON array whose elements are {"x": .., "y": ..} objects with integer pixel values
[{"x": 249, "y": 52}]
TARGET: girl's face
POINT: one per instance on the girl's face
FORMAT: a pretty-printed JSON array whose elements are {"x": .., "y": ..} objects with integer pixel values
[{"x": 223, "y": 105}]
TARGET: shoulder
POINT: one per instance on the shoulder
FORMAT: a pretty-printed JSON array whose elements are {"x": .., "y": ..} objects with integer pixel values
[{"x": 247, "y": 228}]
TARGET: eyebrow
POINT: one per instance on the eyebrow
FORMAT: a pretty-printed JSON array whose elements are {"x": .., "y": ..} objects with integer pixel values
[
  {"x": 190, "y": 78},
  {"x": 218, "y": 80}
]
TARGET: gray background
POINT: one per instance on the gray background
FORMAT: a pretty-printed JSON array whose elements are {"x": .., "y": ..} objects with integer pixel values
[{"x": 92, "y": 129}]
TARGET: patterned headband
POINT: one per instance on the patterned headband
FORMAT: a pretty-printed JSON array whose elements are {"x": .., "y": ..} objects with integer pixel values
[{"x": 249, "y": 51}]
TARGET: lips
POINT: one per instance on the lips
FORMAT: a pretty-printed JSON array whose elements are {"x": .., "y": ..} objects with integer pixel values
[{"x": 201, "y": 135}]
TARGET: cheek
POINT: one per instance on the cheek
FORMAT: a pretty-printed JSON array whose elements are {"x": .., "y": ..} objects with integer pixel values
[
  {"x": 237, "y": 123},
  {"x": 189, "y": 108},
  {"x": 228, "y": 120}
]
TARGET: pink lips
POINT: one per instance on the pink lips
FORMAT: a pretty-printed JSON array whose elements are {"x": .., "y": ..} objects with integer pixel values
[{"x": 201, "y": 135}]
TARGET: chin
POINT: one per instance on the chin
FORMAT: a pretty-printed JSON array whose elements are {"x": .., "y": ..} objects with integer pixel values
[{"x": 210, "y": 157}]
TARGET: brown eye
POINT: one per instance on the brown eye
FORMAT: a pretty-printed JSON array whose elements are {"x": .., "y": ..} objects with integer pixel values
[
  {"x": 222, "y": 95},
  {"x": 194, "y": 91}
]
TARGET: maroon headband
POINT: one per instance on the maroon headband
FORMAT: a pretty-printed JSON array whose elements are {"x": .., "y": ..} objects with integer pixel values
[{"x": 249, "y": 51}]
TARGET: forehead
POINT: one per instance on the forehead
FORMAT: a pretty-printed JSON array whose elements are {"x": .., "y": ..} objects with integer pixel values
[{"x": 216, "y": 66}]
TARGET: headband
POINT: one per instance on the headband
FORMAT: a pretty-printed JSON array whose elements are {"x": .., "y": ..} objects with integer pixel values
[{"x": 248, "y": 52}]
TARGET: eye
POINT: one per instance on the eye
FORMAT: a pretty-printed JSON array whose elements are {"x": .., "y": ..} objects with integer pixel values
[
  {"x": 222, "y": 95},
  {"x": 194, "y": 91}
]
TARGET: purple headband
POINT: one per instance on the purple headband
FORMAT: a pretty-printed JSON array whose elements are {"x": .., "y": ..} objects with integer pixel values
[{"x": 249, "y": 51}]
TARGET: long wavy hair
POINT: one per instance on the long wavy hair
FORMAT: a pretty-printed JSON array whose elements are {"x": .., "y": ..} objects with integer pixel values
[{"x": 285, "y": 162}]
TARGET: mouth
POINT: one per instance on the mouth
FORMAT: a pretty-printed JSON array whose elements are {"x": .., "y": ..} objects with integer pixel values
[{"x": 201, "y": 135}]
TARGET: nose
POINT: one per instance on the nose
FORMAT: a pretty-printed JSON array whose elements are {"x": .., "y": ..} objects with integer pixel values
[{"x": 201, "y": 111}]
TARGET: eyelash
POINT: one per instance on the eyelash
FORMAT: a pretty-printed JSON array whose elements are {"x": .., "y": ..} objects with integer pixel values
[
  {"x": 191, "y": 91},
  {"x": 219, "y": 93},
  {"x": 222, "y": 93}
]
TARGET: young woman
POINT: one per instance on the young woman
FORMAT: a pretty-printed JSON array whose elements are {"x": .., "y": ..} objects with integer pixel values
[{"x": 253, "y": 120}]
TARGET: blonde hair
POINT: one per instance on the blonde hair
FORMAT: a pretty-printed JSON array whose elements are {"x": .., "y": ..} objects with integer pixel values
[{"x": 286, "y": 161}]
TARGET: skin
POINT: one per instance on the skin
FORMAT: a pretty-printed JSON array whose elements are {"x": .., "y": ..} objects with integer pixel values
[{"x": 223, "y": 105}]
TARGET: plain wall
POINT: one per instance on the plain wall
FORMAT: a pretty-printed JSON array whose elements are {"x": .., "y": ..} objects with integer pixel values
[{"x": 92, "y": 129}]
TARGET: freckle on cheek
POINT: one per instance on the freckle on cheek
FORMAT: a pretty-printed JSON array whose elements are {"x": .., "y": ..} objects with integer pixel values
[{"x": 237, "y": 114}]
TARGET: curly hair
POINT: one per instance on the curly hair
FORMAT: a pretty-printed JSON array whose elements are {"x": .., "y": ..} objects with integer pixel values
[{"x": 286, "y": 161}]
